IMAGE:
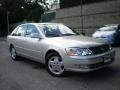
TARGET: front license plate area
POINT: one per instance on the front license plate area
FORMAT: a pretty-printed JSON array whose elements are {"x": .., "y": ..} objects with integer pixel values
[{"x": 107, "y": 58}]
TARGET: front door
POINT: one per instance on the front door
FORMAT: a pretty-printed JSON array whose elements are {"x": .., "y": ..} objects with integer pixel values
[{"x": 33, "y": 45}]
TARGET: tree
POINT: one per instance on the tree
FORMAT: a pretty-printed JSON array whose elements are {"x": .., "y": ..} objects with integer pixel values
[
  {"x": 20, "y": 10},
  {"x": 33, "y": 11},
  {"x": 30, "y": 11}
]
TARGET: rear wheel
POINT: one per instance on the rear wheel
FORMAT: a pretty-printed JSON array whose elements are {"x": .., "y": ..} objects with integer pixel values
[
  {"x": 54, "y": 64},
  {"x": 13, "y": 53}
]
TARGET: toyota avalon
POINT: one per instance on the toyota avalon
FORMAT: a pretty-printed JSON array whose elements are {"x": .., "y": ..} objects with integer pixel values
[{"x": 59, "y": 48}]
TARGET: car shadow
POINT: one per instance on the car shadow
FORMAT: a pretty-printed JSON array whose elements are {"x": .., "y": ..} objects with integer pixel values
[
  {"x": 31, "y": 63},
  {"x": 104, "y": 73}
]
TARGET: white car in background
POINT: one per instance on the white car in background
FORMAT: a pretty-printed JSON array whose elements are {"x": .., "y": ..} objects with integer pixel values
[{"x": 110, "y": 33}]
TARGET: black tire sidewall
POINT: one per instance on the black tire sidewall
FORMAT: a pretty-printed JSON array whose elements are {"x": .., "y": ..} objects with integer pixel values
[
  {"x": 11, "y": 53},
  {"x": 47, "y": 60}
]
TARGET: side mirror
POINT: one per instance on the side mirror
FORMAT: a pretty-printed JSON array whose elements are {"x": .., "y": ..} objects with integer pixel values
[
  {"x": 14, "y": 34},
  {"x": 35, "y": 35}
]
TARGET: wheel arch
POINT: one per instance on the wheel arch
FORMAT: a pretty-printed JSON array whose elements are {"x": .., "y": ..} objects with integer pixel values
[
  {"x": 11, "y": 45},
  {"x": 50, "y": 51}
]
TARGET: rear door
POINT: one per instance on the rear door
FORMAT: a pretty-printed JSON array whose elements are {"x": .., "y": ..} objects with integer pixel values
[{"x": 18, "y": 38}]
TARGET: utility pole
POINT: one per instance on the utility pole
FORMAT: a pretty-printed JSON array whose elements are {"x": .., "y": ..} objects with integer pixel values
[
  {"x": 8, "y": 22},
  {"x": 0, "y": 24},
  {"x": 81, "y": 17}
]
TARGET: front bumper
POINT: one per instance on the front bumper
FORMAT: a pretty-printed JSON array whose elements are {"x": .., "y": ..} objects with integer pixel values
[{"x": 89, "y": 63}]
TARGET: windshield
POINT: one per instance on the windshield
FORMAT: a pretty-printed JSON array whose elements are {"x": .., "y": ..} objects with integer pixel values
[
  {"x": 57, "y": 31},
  {"x": 110, "y": 28}
]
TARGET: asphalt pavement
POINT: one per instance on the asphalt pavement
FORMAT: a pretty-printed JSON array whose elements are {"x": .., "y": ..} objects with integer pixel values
[{"x": 28, "y": 75}]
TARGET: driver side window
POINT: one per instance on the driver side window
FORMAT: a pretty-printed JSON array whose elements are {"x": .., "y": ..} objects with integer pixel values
[{"x": 30, "y": 30}]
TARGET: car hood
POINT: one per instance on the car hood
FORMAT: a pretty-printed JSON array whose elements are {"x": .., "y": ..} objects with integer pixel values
[
  {"x": 75, "y": 41},
  {"x": 103, "y": 33}
]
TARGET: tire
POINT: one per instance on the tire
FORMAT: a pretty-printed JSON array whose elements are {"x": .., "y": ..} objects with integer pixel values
[
  {"x": 13, "y": 53},
  {"x": 54, "y": 64}
]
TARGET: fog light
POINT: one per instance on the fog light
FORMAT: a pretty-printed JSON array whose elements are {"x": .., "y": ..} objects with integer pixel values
[{"x": 82, "y": 66}]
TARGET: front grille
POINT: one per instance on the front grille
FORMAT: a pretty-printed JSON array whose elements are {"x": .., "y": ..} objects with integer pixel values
[{"x": 99, "y": 49}]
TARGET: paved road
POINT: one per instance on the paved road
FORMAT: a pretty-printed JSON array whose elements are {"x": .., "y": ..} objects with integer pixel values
[{"x": 29, "y": 75}]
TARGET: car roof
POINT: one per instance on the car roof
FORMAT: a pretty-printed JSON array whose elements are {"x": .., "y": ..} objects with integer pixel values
[
  {"x": 111, "y": 25},
  {"x": 42, "y": 23}
]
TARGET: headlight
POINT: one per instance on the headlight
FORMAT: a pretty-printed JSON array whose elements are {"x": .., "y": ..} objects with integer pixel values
[{"x": 78, "y": 52}]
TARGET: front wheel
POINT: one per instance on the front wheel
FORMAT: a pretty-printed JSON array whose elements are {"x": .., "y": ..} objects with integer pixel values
[{"x": 54, "y": 64}]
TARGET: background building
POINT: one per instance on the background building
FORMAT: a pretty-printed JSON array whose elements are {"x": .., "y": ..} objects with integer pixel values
[{"x": 88, "y": 15}]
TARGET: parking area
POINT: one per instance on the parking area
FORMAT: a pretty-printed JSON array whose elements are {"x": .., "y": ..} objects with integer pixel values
[{"x": 28, "y": 75}]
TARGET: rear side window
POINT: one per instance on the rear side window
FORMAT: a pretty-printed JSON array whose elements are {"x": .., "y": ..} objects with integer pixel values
[{"x": 20, "y": 31}]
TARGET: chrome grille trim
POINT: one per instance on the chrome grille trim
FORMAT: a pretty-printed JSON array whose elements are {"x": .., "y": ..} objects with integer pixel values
[{"x": 100, "y": 49}]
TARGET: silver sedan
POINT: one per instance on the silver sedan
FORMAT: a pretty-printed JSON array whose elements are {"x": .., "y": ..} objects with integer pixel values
[{"x": 59, "y": 48}]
